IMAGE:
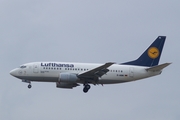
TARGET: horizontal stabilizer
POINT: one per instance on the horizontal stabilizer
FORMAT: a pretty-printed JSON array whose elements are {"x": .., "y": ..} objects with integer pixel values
[{"x": 158, "y": 67}]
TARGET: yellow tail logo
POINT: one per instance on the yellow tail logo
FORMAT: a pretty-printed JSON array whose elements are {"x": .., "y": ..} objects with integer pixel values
[{"x": 153, "y": 52}]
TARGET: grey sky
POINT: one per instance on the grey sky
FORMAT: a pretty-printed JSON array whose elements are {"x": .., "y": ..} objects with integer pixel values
[{"x": 88, "y": 31}]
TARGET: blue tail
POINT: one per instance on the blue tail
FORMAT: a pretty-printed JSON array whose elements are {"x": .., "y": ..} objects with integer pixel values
[{"x": 152, "y": 55}]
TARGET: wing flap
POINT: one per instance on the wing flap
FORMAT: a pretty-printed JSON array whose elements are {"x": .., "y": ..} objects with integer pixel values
[{"x": 158, "y": 67}]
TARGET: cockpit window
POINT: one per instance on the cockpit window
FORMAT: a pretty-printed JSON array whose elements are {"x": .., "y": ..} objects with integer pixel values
[{"x": 23, "y": 66}]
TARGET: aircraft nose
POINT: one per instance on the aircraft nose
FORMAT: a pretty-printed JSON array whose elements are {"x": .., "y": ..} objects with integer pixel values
[{"x": 13, "y": 72}]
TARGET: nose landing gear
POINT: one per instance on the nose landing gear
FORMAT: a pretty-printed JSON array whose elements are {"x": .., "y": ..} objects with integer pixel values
[
  {"x": 86, "y": 88},
  {"x": 27, "y": 81}
]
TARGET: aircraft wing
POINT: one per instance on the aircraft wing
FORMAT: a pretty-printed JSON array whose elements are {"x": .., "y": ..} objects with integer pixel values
[{"x": 95, "y": 73}]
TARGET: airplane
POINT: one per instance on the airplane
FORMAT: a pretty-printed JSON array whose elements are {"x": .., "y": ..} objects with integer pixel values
[{"x": 69, "y": 75}]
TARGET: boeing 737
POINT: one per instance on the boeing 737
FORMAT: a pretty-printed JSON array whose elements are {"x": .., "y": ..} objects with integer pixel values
[{"x": 70, "y": 75}]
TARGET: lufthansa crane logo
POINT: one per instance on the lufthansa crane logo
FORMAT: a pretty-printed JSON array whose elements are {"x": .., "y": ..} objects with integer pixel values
[{"x": 153, "y": 52}]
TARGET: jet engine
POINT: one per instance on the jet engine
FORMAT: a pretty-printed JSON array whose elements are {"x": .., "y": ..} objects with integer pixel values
[{"x": 67, "y": 77}]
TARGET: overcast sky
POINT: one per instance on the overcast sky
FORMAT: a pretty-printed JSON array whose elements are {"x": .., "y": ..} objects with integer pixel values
[{"x": 96, "y": 31}]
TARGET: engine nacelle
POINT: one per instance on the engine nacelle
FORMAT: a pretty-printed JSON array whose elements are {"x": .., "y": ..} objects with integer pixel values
[
  {"x": 66, "y": 85},
  {"x": 67, "y": 77}
]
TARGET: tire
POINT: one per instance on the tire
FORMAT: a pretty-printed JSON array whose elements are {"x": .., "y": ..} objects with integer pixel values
[
  {"x": 88, "y": 87},
  {"x": 85, "y": 90},
  {"x": 29, "y": 86}
]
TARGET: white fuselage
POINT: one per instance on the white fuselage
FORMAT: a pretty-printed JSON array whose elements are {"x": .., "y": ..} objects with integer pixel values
[{"x": 50, "y": 71}]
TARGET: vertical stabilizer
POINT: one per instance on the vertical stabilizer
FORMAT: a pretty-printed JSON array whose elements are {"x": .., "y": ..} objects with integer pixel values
[{"x": 152, "y": 55}]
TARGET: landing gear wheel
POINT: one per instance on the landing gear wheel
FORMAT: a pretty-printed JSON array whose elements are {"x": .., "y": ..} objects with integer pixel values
[
  {"x": 29, "y": 86},
  {"x": 86, "y": 88}
]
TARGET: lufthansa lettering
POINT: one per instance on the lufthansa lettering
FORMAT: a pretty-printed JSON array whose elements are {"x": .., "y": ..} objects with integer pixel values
[{"x": 56, "y": 65}]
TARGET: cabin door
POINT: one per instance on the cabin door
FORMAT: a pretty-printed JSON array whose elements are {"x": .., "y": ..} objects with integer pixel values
[
  {"x": 131, "y": 72},
  {"x": 35, "y": 68}
]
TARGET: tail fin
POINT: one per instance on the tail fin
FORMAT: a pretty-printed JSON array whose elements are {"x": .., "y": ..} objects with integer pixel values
[{"x": 152, "y": 55}]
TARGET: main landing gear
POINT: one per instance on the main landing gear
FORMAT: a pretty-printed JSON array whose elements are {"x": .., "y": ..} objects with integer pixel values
[{"x": 86, "y": 88}]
